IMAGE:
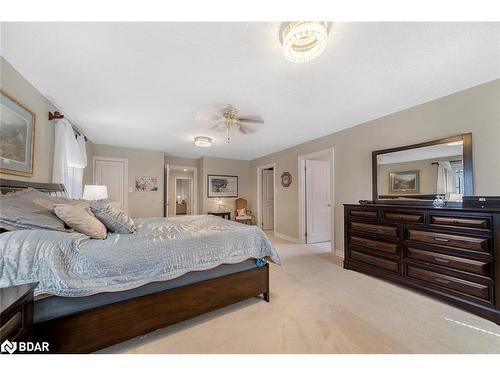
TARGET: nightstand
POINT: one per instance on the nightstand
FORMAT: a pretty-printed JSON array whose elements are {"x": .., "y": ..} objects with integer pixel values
[
  {"x": 224, "y": 215},
  {"x": 16, "y": 312}
]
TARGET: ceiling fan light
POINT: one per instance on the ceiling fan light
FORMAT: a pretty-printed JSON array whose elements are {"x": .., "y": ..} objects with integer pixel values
[
  {"x": 304, "y": 41},
  {"x": 202, "y": 141}
]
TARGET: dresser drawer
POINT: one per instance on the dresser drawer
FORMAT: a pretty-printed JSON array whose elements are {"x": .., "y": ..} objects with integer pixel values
[
  {"x": 363, "y": 213},
  {"x": 450, "y": 261},
  {"x": 449, "y": 282},
  {"x": 375, "y": 228},
  {"x": 386, "y": 247},
  {"x": 413, "y": 218},
  {"x": 12, "y": 327},
  {"x": 464, "y": 242},
  {"x": 467, "y": 222},
  {"x": 387, "y": 264}
]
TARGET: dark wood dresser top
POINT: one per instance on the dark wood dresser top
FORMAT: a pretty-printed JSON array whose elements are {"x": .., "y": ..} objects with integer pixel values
[
  {"x": 11, "y": 296},
  {"x": 426, "y": 208}
]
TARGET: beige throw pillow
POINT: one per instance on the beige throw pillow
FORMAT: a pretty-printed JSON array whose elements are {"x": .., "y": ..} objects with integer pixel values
[{"x": 80, "y": 218}]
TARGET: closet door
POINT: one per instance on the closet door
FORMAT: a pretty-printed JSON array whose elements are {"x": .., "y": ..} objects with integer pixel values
[{"x": 112, "y": 173}]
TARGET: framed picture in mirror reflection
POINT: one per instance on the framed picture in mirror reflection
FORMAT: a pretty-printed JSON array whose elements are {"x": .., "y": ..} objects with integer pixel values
[{"x": 407, "y": 182}]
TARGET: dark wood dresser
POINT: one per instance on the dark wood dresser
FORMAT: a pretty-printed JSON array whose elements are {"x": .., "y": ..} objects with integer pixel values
[
  {"x": 16, "y": 312},
  {"x": 451, "y": 253}
]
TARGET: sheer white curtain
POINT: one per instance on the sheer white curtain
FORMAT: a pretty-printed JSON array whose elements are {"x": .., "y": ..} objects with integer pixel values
[
  {"x": 445, "y": 178},
  {"x": 70, "y": 159}
]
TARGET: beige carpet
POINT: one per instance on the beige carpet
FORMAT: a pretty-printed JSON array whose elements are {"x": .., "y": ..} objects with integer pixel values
[{"x": 318, "y": 307}]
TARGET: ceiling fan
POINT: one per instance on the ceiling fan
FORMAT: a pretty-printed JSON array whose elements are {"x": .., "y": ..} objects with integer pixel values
[{"x": 227, "y": 118}]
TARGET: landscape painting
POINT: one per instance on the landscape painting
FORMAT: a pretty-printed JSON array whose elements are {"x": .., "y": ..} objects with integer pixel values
[
  {"x": 220, "y": 186},
  {"x": 17, "y": 129},
  {"x": 404, "y": 182}
]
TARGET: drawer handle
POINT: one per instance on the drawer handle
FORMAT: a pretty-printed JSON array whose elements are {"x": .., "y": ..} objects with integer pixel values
[
  {"x": 442, "y": 260},
  {"x": 441, "y": 239},
  {"x": 442, "y": 281}
]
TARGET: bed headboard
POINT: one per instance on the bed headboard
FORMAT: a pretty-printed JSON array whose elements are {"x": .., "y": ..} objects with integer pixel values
[{"x": 7, "y": 186}]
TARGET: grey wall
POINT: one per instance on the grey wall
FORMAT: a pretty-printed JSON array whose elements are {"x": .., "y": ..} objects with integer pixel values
[
  {"x": 475, "y": 110},
  {"x": 240, "y": 168},
  {"x": 428, "y": 174},
  {"x": 140, "y": 163},
  {"x": 17, "y": 87}
]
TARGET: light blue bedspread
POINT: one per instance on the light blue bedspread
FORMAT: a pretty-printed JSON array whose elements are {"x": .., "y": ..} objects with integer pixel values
[{"x": 71, "y": 264}]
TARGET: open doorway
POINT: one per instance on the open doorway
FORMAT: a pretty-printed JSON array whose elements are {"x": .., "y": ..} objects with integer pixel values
[
  {"x": 266, "y": 197},
  {"x": 181, "y": 190},
  {"x": 316, "y": 196},
  {"x": 183, "y": 196}
]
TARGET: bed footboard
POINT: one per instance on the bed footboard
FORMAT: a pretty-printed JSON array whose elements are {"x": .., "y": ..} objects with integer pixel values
[{"x": 104, "y": 326}]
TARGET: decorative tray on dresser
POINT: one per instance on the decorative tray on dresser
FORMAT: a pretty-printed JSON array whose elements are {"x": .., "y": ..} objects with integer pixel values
[{"x": 450, "y": 253}]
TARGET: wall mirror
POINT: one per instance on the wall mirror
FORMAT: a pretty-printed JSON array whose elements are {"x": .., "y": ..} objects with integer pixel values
[{"x": 417, "y": 173}]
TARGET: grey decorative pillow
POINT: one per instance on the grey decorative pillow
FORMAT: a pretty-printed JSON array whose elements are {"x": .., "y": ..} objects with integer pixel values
[
  {"x": 114, "y": 218},
  {"x": 20, "y": 211}
]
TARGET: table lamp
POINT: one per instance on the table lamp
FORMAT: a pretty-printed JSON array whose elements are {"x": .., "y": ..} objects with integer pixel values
[{"x": 95, "y": 192}]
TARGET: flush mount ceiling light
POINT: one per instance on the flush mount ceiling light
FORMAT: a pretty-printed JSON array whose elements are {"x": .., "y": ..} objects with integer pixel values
[
  {"x": 202, "y": 141},
  {"x": 304, "y": 41}
]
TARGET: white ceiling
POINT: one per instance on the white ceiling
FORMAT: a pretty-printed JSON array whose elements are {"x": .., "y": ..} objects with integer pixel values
[{"x": 140, "y": 84}]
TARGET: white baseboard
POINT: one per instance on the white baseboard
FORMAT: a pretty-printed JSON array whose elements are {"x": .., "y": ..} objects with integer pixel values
[{"x": 286, "y": 237}]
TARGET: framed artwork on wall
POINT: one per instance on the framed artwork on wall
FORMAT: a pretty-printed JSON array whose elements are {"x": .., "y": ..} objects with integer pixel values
[
  {"x": 146, "y": 183},
  {"x": 17, "y": 137},
  {"x": 404, "y": 182},
  {"x": 221, "y": 186},
  {"x": 286, "y": 179}
]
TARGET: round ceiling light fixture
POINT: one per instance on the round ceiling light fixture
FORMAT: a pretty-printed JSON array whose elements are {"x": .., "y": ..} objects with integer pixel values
[
  {"x": 202, "y": 141},
  {"x": 304, "y": 41}
]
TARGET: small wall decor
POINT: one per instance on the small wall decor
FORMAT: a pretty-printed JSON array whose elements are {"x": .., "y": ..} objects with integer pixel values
[
  {"x": 404, "y": 182},
  {"x": 146, "y": 183},
  {"x": 17, "y": 135},
  {"x": 222, "y": 186},
  {"x": 286, "y": 179}
]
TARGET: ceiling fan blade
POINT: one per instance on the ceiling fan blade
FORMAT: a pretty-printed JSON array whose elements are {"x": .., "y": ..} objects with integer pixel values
[
  {"x": 208, "y": 118},
  {"x": 251, "y": 119},
  {"x": 246, "y": 129},
  {"x": 220, "y": 125}
]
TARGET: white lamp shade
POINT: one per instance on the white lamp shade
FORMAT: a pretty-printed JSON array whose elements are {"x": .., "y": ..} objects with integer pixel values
[{"x": 95, "y": 192}]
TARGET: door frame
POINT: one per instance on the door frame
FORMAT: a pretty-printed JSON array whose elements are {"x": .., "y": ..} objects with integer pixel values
[
  {"x": 302, "y": 193},
  {"x": 125, "y": 176},
  {"x": 191, "y": 198},
  {"x": 259, "y": 194},
  {"x": 194, "y": 185}
]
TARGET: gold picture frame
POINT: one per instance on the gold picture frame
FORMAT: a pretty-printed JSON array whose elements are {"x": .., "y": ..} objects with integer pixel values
[
  {"x": 286, "y": 179},
  {"x": 14, "y": 114}
]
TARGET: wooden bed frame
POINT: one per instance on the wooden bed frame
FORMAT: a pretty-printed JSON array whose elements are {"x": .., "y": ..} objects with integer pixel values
[{"x": 100, "y": 327}]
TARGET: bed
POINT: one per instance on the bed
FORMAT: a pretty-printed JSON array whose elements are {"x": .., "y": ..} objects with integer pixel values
[{"x": 101, "y": 292}]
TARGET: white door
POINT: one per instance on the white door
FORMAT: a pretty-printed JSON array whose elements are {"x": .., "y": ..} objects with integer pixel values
[
  {"x": 267, "y": 199},
  {"x": 318, "y": 209},
  {"x": 113, "y": 174}
]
